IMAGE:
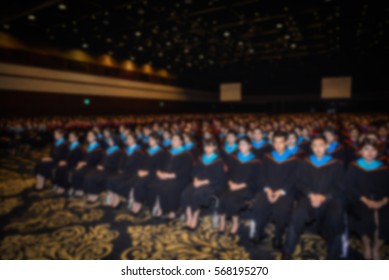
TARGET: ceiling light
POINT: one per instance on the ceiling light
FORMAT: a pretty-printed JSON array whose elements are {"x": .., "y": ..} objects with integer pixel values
[
  {"x": 287, "y": 37},
  {"x": 140, "y": 48},
  {"x": 293, "y": 46},
  {"x": 226, "y": 34},
  {"x": 31, "y": 17},
  {"x": 138, "y": 33},
  {"x": 85, "y": 46},
  {"x": 6, "y": 26},
  {"x": 109, "y": 40},
  {"x": 62, "y": 7},
  {"x": 279, "y": 25}
]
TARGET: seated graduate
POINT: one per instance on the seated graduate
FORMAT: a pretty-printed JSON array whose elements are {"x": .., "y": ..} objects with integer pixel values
[
  {"x": 367, "y": 182},
  {"x": 95, "y": 180},
  {"x": 304, "y": 140},
  {"x": 44, "y": 168},
  {"x": 92, "y": 158},
  {"x": 65, "y": 167},
  {"x": 260, "y": 145},
  {"x": 351, "y": 144},
  {"x": 121, "y": 184},
  {"x": 154, "y": 160},
  {"x": 321, "y": 180},
  {"x": 190, "y": 145},
  {"x": 167, "y": 139},
  {"x": 277, "y": 190},
  {"x": 123, "y": 133},
  {"x": 292, "y": 147},
  {"x": 107, "y": 135},
  {"x": 208, "y": 179},
  {"x": 230, "y": 146},
  {"x": 335, "y": 148},
  {"x": 243, "y": 181},
  {"x": 171, "y": 179}
]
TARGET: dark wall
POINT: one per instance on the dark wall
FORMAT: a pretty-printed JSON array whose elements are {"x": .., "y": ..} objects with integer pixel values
[{"x": 15, "y": 104}]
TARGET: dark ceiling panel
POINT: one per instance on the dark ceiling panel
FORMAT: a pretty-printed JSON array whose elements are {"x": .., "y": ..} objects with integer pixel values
[{"x": 207, "y": 37}]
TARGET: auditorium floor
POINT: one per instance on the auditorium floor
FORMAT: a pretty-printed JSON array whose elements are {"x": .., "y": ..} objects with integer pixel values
[{"x": 40, "y": 225}]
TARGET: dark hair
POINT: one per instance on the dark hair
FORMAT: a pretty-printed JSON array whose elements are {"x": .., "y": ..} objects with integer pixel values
[
  {"x": 319, "y": 136},
  {"x": 370, "y": 142},
  {"x": 131, "y": 135},
  {"x": 230, "y": 131},
  {"x": 279, "y": 134},
  {"x": 155, "y": 136},
  {"x": 60, "y": 131},
  {"x": 189, "y": 135},
  {"x": 330, "y": 130},
  {"x": 92, "y": 132},
  {"x": 245, "y": 139},
  {"x": 292, "y": 133},
  {"x": 210, "y": 142},
  {"x": 75, "y": 134},
  {"x": 179, "y": 135}
]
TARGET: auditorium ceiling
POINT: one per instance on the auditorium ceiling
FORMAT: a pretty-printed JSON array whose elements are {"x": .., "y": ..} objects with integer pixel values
[{"x": 202, "y": 36}]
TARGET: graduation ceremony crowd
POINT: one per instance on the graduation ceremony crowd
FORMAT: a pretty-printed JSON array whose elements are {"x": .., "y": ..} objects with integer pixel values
[{"x": 293, "y": 170}]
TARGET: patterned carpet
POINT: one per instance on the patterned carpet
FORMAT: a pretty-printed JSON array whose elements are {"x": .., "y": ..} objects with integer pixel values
[{"x": 41, "y": 225}]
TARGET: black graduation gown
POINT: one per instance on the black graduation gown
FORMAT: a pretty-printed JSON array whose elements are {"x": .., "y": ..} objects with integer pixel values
[
  {"x": 141, "y": 185},
  {"x": 169, "y": 191},
  {"x": 260, "y": 152},
  {"x": 121, "y": 183},
  {"x": 231, "y": 202},
  {"x": 340, "y": 153},
  {"x": 92, "y": 159},
  {"x": 95, "y": 180},
  {"x": 194, "y": 151},
  {"x": 276, "y": 175},
  {"x": 57, "y": 154},
  {"x": 196, "y": 197},
  {"x": 327, "y": 180},
  {"x": 62, "y": 173},
  {"x": 374, "y": 185}
]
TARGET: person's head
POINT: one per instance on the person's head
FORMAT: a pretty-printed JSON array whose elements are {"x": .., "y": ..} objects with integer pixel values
[
  {"x": 154, "y": 139},
  {"x": 242, "y": 129},
  {"x": 177, "y": 140},
  {"x": 122, "y": 128},
  {"x": 319, "y": 145},
  {"x": 369, "y": 149},
  {"x": 146, "y": 131},
  {"x": 210, "y": 146},
  {"x": 58, "y": 134},
  {"x": 279, "y": 141},
  {"x": 291, "y": 139},
  {"x": 257, "y": 134},
  {"x": 131, "y": 140},
  {"x": 330, "y": 135},
  {"x": 73, "y": 137},
  {"x": 231, "y": 137},
  {"x": 188, "y": 138},
  {"x": 107, "y": 133},
  {"x": 244, "y": 145},
  {"x": 354, "y": 133},
  {"x": 305, "y": 132},
  {"x": 91, "y": 137},
  {"x": 383, "y": 132},
  {"x": 167, "y": 134}
]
